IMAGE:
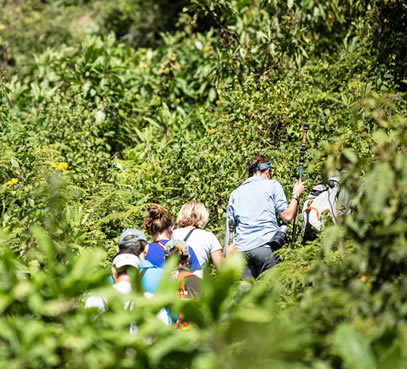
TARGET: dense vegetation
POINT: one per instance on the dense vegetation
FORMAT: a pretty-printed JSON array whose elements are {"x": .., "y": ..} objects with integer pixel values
[{"x": 107, "y": 106}]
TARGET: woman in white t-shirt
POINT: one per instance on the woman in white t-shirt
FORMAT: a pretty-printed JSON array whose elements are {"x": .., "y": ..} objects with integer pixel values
[{"x": 192, "y": 219}]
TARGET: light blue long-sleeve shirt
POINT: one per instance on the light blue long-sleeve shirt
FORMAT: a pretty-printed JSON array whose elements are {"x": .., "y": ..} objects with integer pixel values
[
  {"x": 152, "y": 276},
  {"x": 254, "y": 207}
]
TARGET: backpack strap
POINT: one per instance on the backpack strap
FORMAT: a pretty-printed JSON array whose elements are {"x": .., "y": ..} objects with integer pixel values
[
  {"x": 307, "y": 211},
  {"x": 143, "y": 272},
  {"x": 161, "y": 244},
  {"x": 180, "y": 277},
  {"x": 189, "y": 233},
  {"x": 332, "y": 205}
]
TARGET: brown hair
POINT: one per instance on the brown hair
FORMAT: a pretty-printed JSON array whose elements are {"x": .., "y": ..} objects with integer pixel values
[
  {"x": 157, "y": 220},
  {"x": 193, "y": 213},
  {"x": 135, "y": 248},
  {"x": 254, "y": 162}
]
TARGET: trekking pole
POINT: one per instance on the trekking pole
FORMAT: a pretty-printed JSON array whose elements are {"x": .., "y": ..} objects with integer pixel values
[
  {"x": 301, "y": 169},
  {"x": 230, "y": 248}
]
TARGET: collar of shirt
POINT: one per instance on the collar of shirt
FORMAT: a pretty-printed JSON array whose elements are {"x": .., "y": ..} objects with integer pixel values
[
  {"x": 253, "y": 179},
  {"x": 144, "y": 264}
]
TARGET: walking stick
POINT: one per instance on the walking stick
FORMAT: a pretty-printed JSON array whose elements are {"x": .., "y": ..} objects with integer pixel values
[
  {"x": 302, "y": 154},
  {"x": 230, "y": 247}
]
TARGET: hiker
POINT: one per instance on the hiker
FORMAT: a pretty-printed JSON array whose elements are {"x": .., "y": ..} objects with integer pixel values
[
  {"x": 134, "y": 241},
  {"x": 190, "y": 283},
  {"x": 160, "y": 226},
  {"x": 192, "y": 219},
  {"x": 327, "y": 200},
  {"x": 121, "y": 266},
  {"x": 253, "y": 207}
]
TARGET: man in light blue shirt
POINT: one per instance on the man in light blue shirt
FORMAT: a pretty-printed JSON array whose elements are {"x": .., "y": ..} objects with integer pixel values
[{"x": 254, "y": 207}]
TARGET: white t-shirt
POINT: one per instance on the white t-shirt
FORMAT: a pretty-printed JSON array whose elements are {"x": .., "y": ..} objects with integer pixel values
[
  {"x": 203, "y": 242},
  {"x": 123, "y": 287}
]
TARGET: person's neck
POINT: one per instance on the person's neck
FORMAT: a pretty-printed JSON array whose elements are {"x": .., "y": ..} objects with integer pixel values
[
  {"x": 122, "y": 278},
  {"x": 261, "y": 175},
  {"x": 162, "y": 236},
  {"x": 190, "y": 227}
]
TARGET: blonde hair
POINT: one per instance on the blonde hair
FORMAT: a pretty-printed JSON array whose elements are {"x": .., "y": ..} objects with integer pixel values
[{"x": 193, "y": 213}]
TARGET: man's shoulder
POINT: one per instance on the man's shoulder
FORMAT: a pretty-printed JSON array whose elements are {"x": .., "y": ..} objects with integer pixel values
[
  {"x": 246, "y": 186},
  {"x": 274, "y": 183}
]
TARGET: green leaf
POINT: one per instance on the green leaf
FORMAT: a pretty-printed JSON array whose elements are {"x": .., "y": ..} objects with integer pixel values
[
  {"x": 212, "y": 94},
  {"x": 353, "y": 348},
  {"x": 379, "y": 183}
]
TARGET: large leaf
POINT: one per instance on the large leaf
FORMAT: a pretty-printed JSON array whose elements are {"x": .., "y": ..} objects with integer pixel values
[
  {"x": 353, "y": 348},
  {"x": 379, "y": 183}
]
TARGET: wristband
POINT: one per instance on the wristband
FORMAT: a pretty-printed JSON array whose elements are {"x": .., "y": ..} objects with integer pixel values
[{"x": 296, "y": 197}]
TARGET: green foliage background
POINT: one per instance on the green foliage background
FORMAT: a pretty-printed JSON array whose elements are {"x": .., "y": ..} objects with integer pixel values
[{"x": 107, "y": 106}]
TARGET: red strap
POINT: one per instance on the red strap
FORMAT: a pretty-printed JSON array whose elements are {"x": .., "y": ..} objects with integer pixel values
[{"x": 161, "y": 244}]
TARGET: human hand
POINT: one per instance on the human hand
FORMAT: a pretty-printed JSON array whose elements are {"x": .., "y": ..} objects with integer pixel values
[
  {"x": 230, "y": 249},
  {"x": 299, "y": 188}
]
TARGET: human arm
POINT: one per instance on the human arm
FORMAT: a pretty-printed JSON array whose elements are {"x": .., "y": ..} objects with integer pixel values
[
  {"x": 288, "y": 214},
  {"x": 217, "y": 257},
  {"x": 229, "y": 217}
]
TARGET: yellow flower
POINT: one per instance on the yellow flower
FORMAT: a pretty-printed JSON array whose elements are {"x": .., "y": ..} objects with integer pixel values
[
  {"x": 210, "y": 131},
  {"x": 363, "y": 278},
  {"x": 12, "y": 182},
  {"x": 163, "y": 71},
  {"x": 59, "y": 166},
  {"x": 306, "y": 39},
  {"x": 219, "y": 102},
  {"x": 172, "y": 57},
  {"x": 207, "y": 48}
]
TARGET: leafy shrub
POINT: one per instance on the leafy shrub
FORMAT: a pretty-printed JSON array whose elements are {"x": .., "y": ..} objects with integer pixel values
[{"x": 95, "y": 125}]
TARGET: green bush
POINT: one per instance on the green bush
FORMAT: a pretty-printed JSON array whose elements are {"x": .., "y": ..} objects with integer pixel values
[{"x": 151, "y": 102}]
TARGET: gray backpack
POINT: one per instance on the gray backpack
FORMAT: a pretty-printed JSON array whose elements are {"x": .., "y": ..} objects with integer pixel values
[{"x": 320, "y": 204}]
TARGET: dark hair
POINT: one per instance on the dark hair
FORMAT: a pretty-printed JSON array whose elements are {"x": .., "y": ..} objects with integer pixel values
[
  {"x": 254, "y": 162},
  {"x": 135, "y": 248},
  {"x": 122, "y": 270},
  {"x": 183, "y": 260},
  {"x": 157, "y": 220}
]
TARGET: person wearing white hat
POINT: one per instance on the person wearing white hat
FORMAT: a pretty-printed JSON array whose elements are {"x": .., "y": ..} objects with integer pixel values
[
  {"x": 133, "y": 241},
  {"x": 122, "y": 264}
]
